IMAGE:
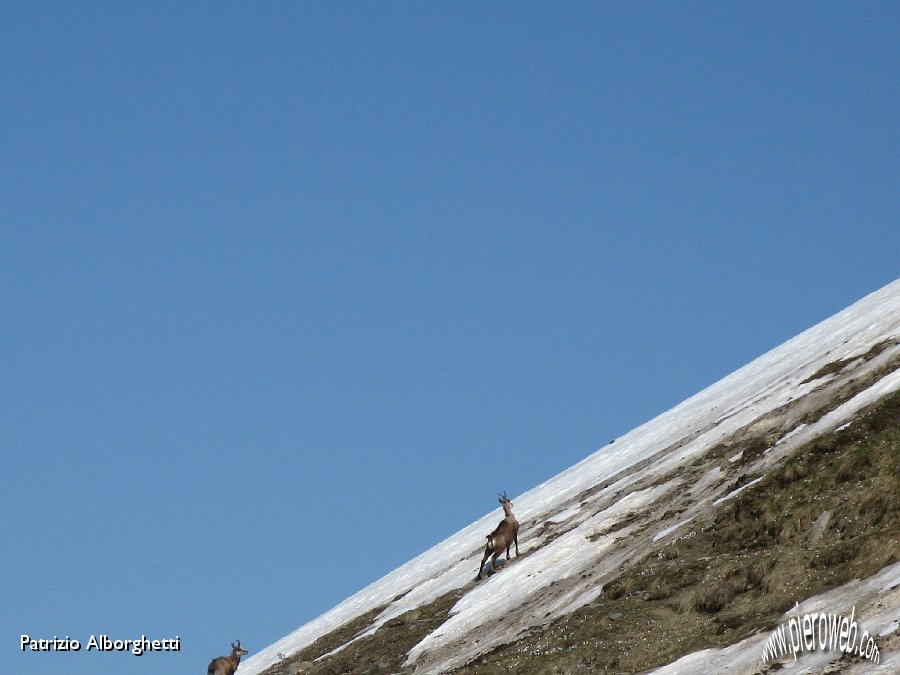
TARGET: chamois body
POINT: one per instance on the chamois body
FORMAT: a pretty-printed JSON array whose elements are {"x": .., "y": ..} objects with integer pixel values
[
  {"x": 502, "y": 538},
  {"x": 226, "y": 665}
]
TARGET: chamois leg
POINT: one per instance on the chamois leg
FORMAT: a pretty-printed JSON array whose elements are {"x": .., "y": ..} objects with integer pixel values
[
  {"x": 516, "y": 539},
  {"x": 487, "y": 553}
]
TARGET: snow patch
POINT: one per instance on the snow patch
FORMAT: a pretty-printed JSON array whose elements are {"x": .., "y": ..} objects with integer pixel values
[
  {"x": 563, "y": 516},
  {"x": 735, "y": 493},
  {"x": 669, "y": 530}
]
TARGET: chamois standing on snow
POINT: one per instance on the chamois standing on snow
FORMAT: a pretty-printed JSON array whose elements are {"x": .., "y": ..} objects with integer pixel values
[
  {"x": 226, "y": 665},
  {"x": 506, "y": 534}
]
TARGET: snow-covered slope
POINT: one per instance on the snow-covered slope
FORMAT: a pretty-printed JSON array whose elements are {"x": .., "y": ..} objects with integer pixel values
[{"x": 582, "y": 525}]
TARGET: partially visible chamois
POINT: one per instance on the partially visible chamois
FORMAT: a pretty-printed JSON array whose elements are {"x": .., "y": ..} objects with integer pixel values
[
  {"x": 506, "y": 534},
  {"x": 226, "y": 665}
]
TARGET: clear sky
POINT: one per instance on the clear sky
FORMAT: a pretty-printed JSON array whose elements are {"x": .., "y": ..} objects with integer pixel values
[{"x": 289, "y": 291}]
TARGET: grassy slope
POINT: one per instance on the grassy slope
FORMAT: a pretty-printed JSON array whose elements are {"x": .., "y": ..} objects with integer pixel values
[{"x": 714, "y": 585}]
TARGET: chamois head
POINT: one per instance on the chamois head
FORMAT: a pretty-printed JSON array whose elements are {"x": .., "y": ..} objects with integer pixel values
[
  {"x": 226, "y": 665},
  {"x": 503, "y": 498}
]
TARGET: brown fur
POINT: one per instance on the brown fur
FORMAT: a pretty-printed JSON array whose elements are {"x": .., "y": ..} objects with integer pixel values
[
  {"x": 506, "y": 534},
  {"x": 226, "y": 665}
]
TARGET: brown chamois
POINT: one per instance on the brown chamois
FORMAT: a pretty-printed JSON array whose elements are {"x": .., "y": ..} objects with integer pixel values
[
  {"x": 506, "y": 534},
  {"x": 226, "y": 665}
]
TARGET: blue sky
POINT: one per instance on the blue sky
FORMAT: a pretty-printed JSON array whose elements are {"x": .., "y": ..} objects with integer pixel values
[{"x": 290, "y": 291}]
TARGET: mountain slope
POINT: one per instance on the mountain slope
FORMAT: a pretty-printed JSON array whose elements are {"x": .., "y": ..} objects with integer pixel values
[{"x": 687, "y": 496}]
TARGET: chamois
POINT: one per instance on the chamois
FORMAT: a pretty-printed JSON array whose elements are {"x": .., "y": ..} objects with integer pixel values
[
  {"x": 506, "y": 534},
  {"x": 226, "y": 665}
]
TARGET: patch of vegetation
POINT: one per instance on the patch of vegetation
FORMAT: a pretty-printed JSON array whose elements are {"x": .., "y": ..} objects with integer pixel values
[
  {"x": 754, "y": 449},
  {"x": 840, "y": 364},
  {"x": 717, "y": 594},
  {"x": 382, "y": 652},
  {"x": 738, "y": 575},
  {"x": 828, "y": 369}
]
